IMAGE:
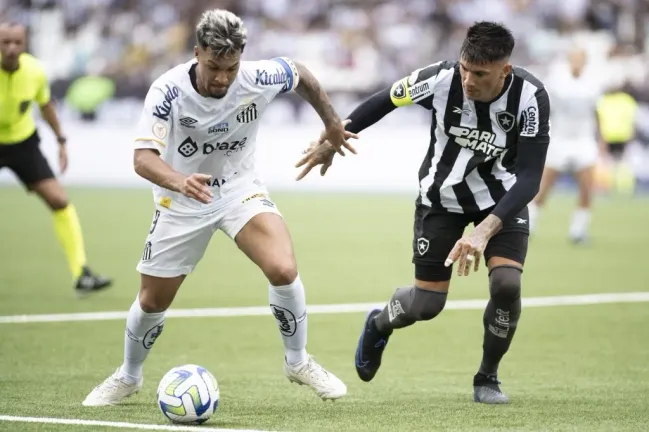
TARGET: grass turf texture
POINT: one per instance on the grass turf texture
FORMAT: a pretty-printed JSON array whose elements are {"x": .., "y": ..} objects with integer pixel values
[{"x": 570, "y": 367}]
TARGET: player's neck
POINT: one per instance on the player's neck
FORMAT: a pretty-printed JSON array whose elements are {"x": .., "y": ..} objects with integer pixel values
[
  {"x": 498, "y": 91},
  {"x": 9, "y": 67},
  {"x": 198, "y": 84}
]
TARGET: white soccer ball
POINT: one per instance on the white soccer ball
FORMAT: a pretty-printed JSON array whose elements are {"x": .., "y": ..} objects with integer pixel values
[{"x": 188, "y": 394}]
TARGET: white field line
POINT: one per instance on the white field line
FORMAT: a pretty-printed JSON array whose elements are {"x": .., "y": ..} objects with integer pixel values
[
  {"x": 122, "y": 425},
  {"x": 572, "y": 300}
]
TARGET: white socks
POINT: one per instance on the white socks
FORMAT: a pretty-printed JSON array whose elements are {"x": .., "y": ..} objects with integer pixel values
[
  {"x": 288, "y": 305},
  {"x": 580, "y": 223},
  {"x": 142, "y": 329}
]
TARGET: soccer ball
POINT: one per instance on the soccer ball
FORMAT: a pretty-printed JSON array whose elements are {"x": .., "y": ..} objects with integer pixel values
[{"x": 188, "y": 394}]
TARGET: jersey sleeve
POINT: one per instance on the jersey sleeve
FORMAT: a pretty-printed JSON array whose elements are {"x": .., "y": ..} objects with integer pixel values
[
  {"x": 275, "y": 76},
  {"x": 417, "y": 88},
  {"x": 534, "y": 123},
  {"x": 43, "y": 94},
  {"x": 534, "y": 138},
  {"x": 156, "y": 121}
]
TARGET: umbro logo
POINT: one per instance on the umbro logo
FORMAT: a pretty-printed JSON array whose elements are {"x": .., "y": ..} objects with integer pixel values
[{"x": 188, "y": 122}]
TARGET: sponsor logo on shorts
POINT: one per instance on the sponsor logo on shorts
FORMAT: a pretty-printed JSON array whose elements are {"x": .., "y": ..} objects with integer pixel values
[
  {"x": 165, "y": 202},
  {"x": 257, "y": 195}
]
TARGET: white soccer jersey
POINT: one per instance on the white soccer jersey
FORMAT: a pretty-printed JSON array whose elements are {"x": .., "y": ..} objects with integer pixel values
[
  {"x": 196, "y": 134},
  {"x": 574, "y": 101}
]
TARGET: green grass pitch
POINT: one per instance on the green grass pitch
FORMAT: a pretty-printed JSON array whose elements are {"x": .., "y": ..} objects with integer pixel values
[{"x": 570, "y": 368}]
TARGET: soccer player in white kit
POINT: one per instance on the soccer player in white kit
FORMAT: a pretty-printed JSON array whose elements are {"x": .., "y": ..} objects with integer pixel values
[
  {"x": 196, "y": 143},
  {"x": 576, "y": 143}
]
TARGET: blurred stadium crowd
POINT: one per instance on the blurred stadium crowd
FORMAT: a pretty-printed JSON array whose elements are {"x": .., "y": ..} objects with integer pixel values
[{"x": 354, "y": 47}]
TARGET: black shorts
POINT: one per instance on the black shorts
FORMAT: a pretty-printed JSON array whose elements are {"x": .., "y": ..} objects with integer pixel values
[
  {"x": 435, "y": 235},
  {"x": 26, "y": 161},
  {"x": 616, "y": 149}
]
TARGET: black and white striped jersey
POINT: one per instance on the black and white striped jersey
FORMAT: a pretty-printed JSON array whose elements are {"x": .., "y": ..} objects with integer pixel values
[{"x": 471, "y": 160}]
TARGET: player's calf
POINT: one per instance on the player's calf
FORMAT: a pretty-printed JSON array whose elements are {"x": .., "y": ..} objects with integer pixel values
[
  {"x": 500, "y": 321},
  {"x": 407, "y": 306},
  {"x": 144, "y": 325}
]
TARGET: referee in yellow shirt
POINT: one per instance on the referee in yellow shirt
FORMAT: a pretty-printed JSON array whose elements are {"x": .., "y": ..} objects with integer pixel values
[{"x": 23, "y": 82}]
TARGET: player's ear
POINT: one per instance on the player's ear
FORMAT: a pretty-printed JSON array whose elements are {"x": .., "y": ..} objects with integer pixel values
[
  {"x": 507, "y": 69},
  {"x": 196, "y": 52}
]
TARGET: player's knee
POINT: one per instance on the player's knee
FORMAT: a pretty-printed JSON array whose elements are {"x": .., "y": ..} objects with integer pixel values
[
  {"x": 426, "y": 304},
  {"x": 282, "y": 273},
  {"x": 155, "y": 298},
  {"x": 153, "y": 304},
  {"x": 57, "y": 201},
  {"x": 505, "y": 282}
]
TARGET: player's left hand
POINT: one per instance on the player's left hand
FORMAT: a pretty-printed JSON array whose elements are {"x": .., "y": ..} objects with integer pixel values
[
  {"x": 467, "y": 250},
  {"x": 337, "y": 136},
  {"x": 322, "y": 152},
  {"x": 63, "y": 158},
  {"x": 318, "y": 153}
]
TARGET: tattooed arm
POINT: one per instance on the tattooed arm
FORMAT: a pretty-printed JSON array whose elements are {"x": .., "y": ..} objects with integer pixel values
[{"x": 310, "y": 90}]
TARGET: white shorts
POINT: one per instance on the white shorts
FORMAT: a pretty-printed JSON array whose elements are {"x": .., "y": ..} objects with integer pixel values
[
  {"x": 176, "y": 243},
  {"x": 571, "y": 155}
]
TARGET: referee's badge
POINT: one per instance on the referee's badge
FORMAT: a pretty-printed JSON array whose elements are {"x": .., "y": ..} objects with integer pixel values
[
  {"x": 422, "y": 245},
  {"x": 506, "y": 120}
]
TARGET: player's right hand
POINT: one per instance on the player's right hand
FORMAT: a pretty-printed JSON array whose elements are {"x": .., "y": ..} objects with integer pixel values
[{"x": 196, "y": 187}]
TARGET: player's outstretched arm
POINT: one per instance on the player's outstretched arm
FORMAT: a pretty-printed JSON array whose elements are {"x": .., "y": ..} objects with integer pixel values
[
  {"x": 321, "y": 152},
  {"x": 149, "y": 165},
  {"x": 417, "y": 88},
  {"x": 310, "y": 90}
]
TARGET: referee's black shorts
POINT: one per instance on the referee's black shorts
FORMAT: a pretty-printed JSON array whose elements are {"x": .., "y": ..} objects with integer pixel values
[
  {"x": 26, "y": 160},
  {"x": 435, "y": 235}
]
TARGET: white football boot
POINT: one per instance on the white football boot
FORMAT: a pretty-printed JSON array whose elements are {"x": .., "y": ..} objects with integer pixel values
[
  {"x": 112, "y": 391},
  {"x": 324, "y": 383}
]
